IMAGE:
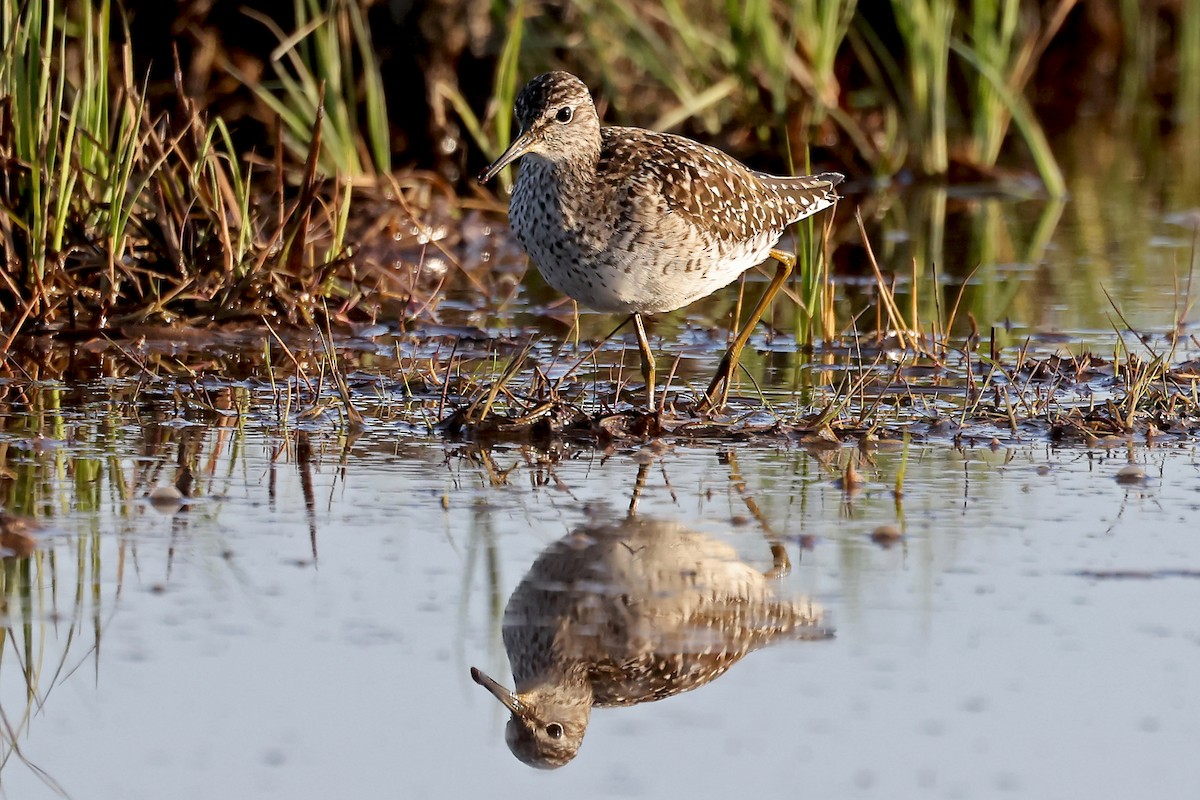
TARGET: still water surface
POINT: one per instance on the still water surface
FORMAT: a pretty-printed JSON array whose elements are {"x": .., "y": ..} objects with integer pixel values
[
  {"x": 306, "y": 626},
  {"x": 1019, "y": 640}
]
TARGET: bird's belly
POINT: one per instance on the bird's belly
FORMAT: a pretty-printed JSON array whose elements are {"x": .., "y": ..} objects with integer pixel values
[{"x": 647, "y": 276}]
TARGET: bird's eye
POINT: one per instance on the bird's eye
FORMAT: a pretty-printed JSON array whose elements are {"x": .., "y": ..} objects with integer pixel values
[
  {"x": 563, "y": 116},
  {"x": 554, "y": 730}
]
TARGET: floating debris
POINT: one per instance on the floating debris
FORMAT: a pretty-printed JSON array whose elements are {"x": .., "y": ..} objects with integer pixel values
[
  {"x": 166, "y": 499},
  {"x": 16, "y": 536},
  {"x": 851, "y": 479},
  {"x": 1131, "y": 473},
  {"x": 886, "y": 535},
  {"x": 1137, "y": 574}
]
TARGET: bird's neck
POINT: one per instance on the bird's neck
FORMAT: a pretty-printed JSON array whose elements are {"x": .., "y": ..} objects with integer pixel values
[
  {"x": 558, "y": 675},
  {"x": 574, "y": 175},
  {"x": 574, "y": 186}
]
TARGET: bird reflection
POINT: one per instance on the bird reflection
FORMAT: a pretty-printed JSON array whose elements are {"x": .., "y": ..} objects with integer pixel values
[{"x": 614, "y": 615}]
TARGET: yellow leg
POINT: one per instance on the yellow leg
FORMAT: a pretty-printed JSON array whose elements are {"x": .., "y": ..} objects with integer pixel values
[
  {"x": 647, "y": 360},
  {"x": 718, "y": 390}
]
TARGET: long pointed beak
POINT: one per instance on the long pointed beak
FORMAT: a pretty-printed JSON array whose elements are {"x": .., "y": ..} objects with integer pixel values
[
  {"x": 519, "y": 147},
  {"x": 506, "y": 697}
]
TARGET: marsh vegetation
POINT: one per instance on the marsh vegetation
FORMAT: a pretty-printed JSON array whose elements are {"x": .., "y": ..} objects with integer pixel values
[{"x": 276, "y": 379}]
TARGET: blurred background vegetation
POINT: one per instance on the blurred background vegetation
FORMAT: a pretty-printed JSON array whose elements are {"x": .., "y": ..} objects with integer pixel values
[
  {"x": 879, "y": 87},
  {"x": 233, "y": 159}
]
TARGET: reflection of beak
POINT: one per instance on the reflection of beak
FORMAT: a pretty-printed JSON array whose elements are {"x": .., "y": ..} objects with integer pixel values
[
  {"x": 520, "y": 146},
  {"x": 506, "y": 697}
]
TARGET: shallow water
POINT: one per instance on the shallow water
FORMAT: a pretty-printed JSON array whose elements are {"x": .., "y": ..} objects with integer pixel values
[{"x": 306, "y": 625}]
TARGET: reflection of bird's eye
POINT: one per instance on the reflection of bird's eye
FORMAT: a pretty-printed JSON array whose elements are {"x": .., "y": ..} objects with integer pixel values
[
  {"x": 554, "y": 730},
  {"x": 563, "y": 115}
]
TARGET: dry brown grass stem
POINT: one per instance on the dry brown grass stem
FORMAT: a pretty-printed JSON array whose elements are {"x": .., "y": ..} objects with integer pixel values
[{"x": 896, "y": 320}]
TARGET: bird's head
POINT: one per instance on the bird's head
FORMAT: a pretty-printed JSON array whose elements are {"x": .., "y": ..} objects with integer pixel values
[
  {"x": 547, "y": 725},
  {"x": 557, "y": 121}
]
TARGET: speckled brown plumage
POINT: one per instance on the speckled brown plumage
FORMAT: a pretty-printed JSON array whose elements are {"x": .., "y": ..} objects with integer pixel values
[
  {"x": 639, "y": 222},
  {"x": 630, "y": 613}
]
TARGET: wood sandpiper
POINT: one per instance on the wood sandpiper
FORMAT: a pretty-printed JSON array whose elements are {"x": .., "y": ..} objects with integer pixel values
[
  {"x": 615, "y": 615},
  {"x": 638, "y": 222}
]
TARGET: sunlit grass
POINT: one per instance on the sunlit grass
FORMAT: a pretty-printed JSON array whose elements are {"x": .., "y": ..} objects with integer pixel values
[
  {"x": 115, "y": 213},
  {"x": 766, "y": 66},
  {"x": 1187, "y": 106},
  {"x": 326, "y": 72},
  {"x": 112, "y": 211},
  {"x": 494, "y": 131}
]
